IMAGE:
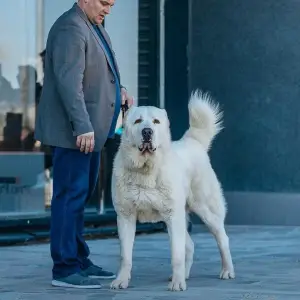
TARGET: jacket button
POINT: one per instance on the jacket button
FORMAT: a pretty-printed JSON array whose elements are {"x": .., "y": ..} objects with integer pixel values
[
  {"x": 112, "y": 105},
  {"x": 113, "y": 81}
]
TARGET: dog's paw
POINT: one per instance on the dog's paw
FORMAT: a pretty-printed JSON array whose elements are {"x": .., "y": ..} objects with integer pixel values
[
  {"x": 227, "y": 273},
  {"x": 120, "y": 283},
  {"x": 177, "y": 285},
  {"x": 186, "y": 277}
]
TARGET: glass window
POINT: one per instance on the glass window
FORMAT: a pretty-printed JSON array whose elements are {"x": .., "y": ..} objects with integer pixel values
[
  {"x": 25, "y": 169},
  {"x": 25, "y": 181},
  {"x": 20, "y": 87},
  {"x": 21, "y": 67},
  {"x": 19, "y": 84}
]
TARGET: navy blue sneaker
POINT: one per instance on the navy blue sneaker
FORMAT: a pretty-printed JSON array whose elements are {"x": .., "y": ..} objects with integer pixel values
[
  {"x": 94, "y": 271},
  {"x": 78, "y": 280}
]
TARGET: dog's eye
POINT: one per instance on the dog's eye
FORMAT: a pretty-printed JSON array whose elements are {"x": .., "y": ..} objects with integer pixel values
[
  {"x": 137, "y": 121},
  {"x": 156, "y": 121}
]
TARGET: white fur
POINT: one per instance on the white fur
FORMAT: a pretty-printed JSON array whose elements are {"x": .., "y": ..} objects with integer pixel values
[{"x": 163, "y": 186}]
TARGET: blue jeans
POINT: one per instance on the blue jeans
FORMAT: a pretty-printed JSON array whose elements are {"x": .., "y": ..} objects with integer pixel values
[{"x": 75, "y": 176}]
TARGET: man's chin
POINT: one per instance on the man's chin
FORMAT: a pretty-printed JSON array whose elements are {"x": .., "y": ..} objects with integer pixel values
[{"x": 98, "y": 20}]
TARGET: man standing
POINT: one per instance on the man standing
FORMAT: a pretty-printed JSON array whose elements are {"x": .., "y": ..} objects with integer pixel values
[{"x": 78, "y": 111}]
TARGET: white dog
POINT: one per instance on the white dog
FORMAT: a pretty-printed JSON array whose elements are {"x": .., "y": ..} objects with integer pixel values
[{"x": 155, "y": 179}]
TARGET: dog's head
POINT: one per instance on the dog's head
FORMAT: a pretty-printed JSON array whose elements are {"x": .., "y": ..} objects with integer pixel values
[{"x": 146, "y": 132}]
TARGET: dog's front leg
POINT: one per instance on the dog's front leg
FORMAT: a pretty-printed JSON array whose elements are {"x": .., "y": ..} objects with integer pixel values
[
  {"x": 126, "y": 231},
  {"x": 177, "y": 231}
]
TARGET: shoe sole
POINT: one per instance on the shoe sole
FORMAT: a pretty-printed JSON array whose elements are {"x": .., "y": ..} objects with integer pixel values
[
  {"x": 102, "y": 277},
  {"x": 69, "y": 285}
]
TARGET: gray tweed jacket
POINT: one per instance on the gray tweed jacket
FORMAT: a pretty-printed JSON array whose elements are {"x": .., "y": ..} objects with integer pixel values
[{"x": 79, "y": 91}]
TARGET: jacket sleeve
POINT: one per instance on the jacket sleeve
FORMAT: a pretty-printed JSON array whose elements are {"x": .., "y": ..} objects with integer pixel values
[{"x": 68, "y": 59}]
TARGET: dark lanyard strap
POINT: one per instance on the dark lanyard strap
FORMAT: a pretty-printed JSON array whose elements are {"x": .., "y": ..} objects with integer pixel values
[{"x": 124, "y": 108}]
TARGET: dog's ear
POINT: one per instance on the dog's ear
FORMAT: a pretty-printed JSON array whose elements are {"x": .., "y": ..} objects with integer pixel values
[{"x": 166, "y": 115}]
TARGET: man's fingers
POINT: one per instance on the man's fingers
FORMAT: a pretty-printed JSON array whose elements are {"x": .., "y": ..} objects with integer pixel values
[
  {"x": 92, "y": 144},
  {"x": 78, "y": 141},
  {"x": 82, "y": 144},
  {"x": 87, "y": 145},
  {"x": 124, "y": 98},
  {"x": 130, "y": 101}
]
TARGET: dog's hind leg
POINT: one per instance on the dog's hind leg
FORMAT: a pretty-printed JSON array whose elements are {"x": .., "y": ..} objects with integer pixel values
[
  {"x": 189, "y": 254},
  {"x": 212, "y": 212},
  {"x": 189, "y": 248}
]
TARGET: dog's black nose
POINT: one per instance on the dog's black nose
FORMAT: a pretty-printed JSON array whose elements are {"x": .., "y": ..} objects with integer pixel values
[{"x": 147, "y": 134}]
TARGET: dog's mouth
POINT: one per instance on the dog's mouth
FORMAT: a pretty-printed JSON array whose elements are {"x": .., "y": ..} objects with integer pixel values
[{"x": 147, "y": 147}]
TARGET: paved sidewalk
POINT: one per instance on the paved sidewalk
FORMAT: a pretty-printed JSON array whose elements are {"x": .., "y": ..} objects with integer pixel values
[{"x": 266, "y": 260}]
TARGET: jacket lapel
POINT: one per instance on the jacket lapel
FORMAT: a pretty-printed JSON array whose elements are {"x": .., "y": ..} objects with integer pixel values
[
  {"x": 96, "y": 36},
  {"x": 108, "y": 41}
]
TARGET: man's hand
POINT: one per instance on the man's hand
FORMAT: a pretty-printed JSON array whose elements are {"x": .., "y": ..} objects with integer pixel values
[
  {"x": 125, "y": 96},
  {"x": 37, "y": 146},
  {"x": 86, "y": 142}
]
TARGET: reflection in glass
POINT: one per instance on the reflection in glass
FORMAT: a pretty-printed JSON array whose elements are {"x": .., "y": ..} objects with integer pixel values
[
  {"x": 19, "y": 86},
  {"x": 23, "y": 180}
]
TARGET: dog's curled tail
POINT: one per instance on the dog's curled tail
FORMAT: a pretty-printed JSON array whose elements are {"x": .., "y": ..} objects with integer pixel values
[{"x": 205, "y": 118}]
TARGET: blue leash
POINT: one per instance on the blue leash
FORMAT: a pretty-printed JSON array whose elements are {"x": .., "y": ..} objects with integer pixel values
[{"x": 124, "y": 108}]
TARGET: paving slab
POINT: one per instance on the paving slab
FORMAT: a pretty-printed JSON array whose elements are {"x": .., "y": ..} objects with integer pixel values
[{"x": 267, "y": 262}]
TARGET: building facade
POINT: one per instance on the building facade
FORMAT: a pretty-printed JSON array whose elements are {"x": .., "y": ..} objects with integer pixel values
[{"x": 166, "y": 49}]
